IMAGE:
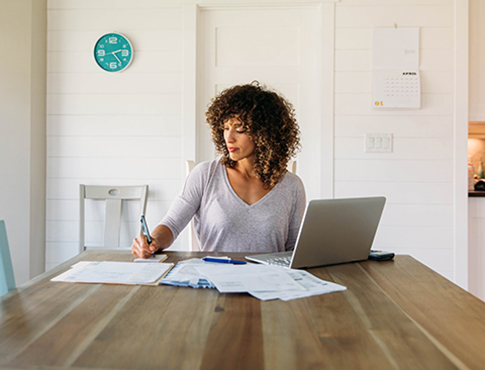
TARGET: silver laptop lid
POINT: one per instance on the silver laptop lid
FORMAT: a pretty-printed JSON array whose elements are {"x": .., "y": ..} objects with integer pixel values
[{"x": 337, "y": 231}]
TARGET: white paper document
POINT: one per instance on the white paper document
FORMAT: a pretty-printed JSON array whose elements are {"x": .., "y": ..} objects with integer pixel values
[
  {"x": 248, "y": 278},
  {"x": 115, "y": 273},
  {"x": 312, "y": 285},
  {"x": 152, "y": 259}
]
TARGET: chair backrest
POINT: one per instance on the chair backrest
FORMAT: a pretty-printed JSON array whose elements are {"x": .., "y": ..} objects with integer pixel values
[
  {"x": 113, "y": 196},
  {"x": 7, "y": 279},
  {"x": 193, "y": 243},
  {"x": 291, "y": 167}
]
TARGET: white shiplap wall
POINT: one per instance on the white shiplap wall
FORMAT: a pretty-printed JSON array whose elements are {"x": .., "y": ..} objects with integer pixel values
[
  {"x": 477, "y": 61},
  {"x": 127, "y": 128},
  {"x": 103, "y": 128},
  {"x": 417, "y": 177}
]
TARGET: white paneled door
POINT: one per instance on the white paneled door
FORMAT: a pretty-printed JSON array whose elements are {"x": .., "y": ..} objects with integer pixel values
[{"x": 278, "y": 47}]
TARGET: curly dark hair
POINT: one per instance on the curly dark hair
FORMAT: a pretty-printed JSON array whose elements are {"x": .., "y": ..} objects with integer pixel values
[{"x": 268, "y": 118}]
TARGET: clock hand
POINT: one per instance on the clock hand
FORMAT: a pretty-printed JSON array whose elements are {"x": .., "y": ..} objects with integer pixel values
[{"x": 116, "y": 57}]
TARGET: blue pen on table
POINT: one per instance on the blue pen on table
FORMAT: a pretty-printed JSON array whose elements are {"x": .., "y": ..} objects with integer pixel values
[
  {"x": 223, "y": 260},
  {"x": 145, "y": 230}
]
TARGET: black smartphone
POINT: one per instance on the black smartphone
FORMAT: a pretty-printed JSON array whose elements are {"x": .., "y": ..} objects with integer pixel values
[{"x": 380, "y": 255}]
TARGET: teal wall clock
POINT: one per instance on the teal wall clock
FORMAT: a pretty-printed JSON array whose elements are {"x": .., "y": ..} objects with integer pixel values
[{"x": 113, "y": 52}]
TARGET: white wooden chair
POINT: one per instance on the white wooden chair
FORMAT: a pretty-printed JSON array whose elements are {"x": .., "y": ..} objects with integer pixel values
[
  {"x": 7, "y": 279},
  {"x": 193, "y": 243},
  {"x": 113, "y": 196},
  {"x": 291, "y": 167}
]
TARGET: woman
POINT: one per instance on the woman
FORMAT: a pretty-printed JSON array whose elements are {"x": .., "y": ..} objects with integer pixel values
[{"x": 246, "y": 201}]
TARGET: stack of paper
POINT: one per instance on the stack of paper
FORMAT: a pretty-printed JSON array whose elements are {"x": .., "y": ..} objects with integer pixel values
[
  {"x": 312, "y": 285},
  {"x": 185, "y": 274},
  {"x": 114, "y": 273},
  {"x": 261, "y": 281}
]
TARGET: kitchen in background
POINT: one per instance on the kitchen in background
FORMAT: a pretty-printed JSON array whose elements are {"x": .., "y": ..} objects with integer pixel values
[
  {"x": 476, "y": 148},
  {"x": 476, "y": 157}
]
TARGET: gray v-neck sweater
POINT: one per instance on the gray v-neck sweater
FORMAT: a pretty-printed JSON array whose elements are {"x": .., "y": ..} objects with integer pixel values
[{"x": 224, "y": 222}]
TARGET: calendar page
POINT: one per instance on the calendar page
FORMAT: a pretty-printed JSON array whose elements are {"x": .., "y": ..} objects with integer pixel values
[
  {"x": 395, "y": 68},
  {"x": 396, "y": 89}
]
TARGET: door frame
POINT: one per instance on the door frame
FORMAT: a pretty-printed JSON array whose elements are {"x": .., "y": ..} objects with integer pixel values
[{"x": 325, "y": 11}]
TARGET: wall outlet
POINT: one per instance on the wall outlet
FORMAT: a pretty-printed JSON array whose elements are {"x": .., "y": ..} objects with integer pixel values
[{"x": 378, "y": 143}]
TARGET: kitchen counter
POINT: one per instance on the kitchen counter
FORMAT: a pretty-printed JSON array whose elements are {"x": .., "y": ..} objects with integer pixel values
[{"x": 480, "y": 193}]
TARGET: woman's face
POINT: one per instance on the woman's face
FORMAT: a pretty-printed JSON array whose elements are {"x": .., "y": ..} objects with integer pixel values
[{"x": 239, "y": 144}]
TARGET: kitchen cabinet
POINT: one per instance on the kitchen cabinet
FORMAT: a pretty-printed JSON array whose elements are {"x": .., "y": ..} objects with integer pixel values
[{"x": 476, "y": 245}]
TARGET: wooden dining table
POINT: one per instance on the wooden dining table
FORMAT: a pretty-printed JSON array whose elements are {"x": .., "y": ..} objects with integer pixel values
[{"x": 394, "y": 315}]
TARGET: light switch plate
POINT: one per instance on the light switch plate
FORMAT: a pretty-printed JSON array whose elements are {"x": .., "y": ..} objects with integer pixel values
[{"x": 378, "y": 143}]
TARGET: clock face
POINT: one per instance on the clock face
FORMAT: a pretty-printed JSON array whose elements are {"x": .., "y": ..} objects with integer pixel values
[{"x": 113, "y": 52}]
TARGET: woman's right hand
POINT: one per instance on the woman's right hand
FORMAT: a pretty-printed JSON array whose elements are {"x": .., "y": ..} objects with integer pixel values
[{"x": 141, "y": 249}]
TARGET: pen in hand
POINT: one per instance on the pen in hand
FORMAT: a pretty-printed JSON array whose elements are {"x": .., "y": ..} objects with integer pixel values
[{"x": 145, "y": 230}]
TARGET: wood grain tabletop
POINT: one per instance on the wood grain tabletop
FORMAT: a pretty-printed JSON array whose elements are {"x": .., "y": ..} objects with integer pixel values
[{"x": 394, "y": 315}]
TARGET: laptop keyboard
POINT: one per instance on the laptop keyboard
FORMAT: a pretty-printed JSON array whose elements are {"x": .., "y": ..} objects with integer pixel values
[{"x": 281, "y": 261}]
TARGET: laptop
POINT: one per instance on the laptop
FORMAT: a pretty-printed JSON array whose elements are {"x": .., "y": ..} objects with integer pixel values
[{"x": 333, "y": 231}]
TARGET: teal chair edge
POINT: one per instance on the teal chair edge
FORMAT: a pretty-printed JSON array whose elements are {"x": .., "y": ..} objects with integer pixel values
[{"x": 7, "y": 279}]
